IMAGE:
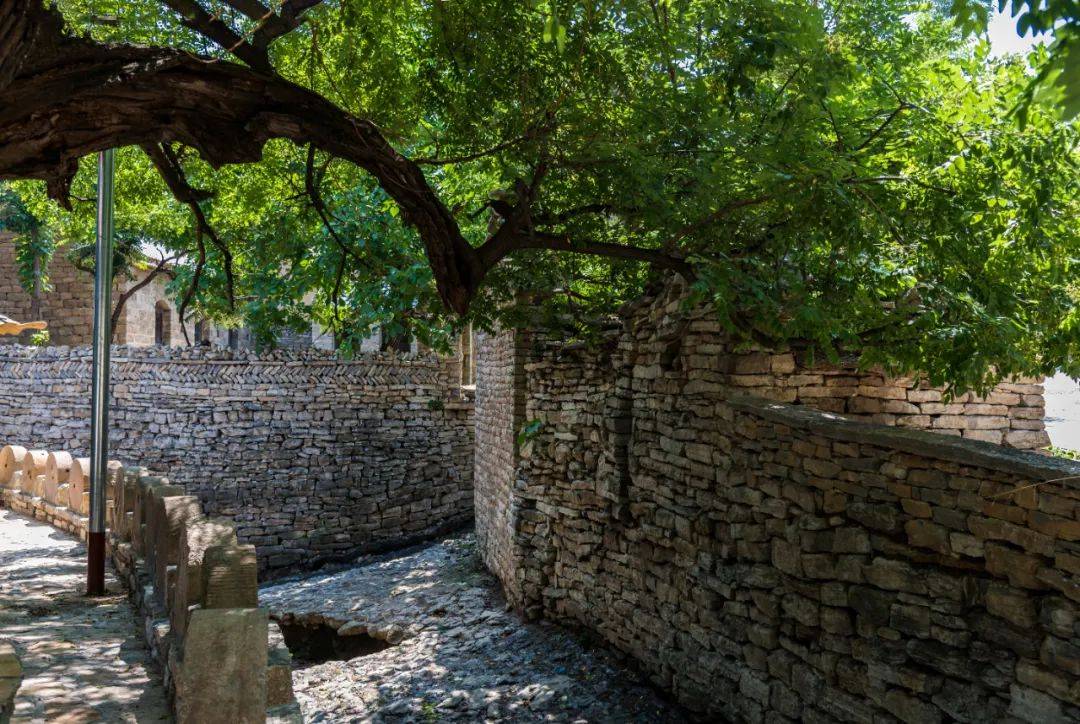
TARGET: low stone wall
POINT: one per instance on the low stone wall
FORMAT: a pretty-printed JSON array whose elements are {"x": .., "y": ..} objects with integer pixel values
[
  {"x": 194, "y": 585},
  {"x": 314, "y": 458},
  {"x": 1011, "y": 414},
  {"x": 765, "y": 561}
]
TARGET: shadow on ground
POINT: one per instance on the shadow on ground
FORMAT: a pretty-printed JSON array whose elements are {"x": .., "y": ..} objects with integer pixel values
[
  {"x": 83, "y": 659},
  {"x": 458, "y": 655}
]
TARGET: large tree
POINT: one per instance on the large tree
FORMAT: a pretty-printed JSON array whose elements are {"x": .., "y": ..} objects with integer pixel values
[{"x": 835, "y": 174}]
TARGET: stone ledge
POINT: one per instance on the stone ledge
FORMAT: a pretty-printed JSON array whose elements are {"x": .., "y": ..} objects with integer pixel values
[
  {"x": 964, "y": 451},
  {"x": 138, "y": 575},
  {"x": 11, "y": 674}
]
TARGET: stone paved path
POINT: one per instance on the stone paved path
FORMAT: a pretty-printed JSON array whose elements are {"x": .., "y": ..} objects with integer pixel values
[
  {"x": 460, "y": 656},
  {"x": 83, "y": 659}
]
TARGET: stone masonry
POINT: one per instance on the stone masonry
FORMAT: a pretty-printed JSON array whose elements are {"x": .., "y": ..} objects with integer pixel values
[
  {"x": 69, "y": 306},
  {"x": 500, "y": 401},
  {"x": 193, "y": 585},
  {"x": 765, "y": 561},
  {"x": 314, "y": 458},
  {"x": 1011, "y": 414}
]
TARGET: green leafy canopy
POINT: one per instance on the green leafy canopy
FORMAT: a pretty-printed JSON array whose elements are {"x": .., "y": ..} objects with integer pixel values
[{"x": 840, "y": 175}]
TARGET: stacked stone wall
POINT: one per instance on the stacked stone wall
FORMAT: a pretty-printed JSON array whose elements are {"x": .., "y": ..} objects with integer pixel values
[
  {"x": 314, "y": 458},
  {"x": 68, "y": 307},
  {"x": 499, "y": 388},
  {"x": 765, "y": 561},
  {"x": 1011, "y": 414}
]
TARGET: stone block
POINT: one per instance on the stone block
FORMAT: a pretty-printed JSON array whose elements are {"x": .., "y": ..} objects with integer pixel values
[
  {"x": 230, "y": 577},
  {"x": 198, "y": 535},
  {"x": 1022, "y": 536},
  {"x": 894, "y": 575},
  {"x": 171, "y": 513},
  {"x": 884, "y": 518},
  {"x": 967, "y": 545},
  {"x": 1061, "y": 655},
  {"x": 279, "y": 691},
  {"x": 994, "y": 436},
  {"x": 151, "y": 518},
  {"x": 924, "y": 534},
  {"x": 910, "y": 709},
  {"x": 11, "y": 674},
  {"x": 142, "y": 511},
  {"x": 1011, "y": 604},
  {"x": 126, "y": 493},
  {"x": 1021, "y": 570},
  {"x": 1031, "y": 705},
  {"x": 223, "y": 672},
  {"x": 1062, "y": 528},
  {"x": 1027, "y": 439}
]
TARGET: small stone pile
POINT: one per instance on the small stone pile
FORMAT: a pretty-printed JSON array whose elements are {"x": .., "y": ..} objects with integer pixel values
[{"x": 188, "y": 576}]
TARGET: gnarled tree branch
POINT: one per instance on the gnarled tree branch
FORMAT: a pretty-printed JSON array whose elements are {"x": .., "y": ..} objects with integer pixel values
[
  {"x": 63, "y": 97},
  {"x": 194, "y": 16},
  {"x": 172, "y": 173},
  {"x": 559, "y": 242}
]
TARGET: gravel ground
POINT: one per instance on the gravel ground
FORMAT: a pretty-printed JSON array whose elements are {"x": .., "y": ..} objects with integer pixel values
[
  {"x": 1063, "y": 412},
  {"x": 83, "y": 659},
  {"x": 457, "y": 654}
]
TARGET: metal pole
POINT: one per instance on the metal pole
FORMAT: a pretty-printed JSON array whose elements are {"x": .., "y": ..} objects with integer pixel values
[{"x": 99, "y": 396}]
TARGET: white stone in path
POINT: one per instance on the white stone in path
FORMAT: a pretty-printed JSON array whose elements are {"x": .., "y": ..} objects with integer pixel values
[{"x": 83, "y": 659}]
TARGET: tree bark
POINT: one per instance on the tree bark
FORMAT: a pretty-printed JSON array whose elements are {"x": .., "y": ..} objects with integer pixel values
[{"x": 62, "y": 98}]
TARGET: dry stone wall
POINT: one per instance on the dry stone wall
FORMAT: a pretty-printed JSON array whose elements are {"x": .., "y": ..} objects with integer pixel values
[
  {"x": 1011, "y": 414},
  {"x": 500, "y": 395},
  {"x": 312, "y": 457},
  {"x": 765, "y": 561},
  {"x": 68, "y": 308}
]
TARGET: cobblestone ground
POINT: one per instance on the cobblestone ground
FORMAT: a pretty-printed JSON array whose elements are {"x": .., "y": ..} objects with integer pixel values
[
  {"x": 83, "y": 659},
  {"x": 459, "y": 656}
]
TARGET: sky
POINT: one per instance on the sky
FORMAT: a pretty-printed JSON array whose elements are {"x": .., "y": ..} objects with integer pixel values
[{"x": 1003, "y": 37}]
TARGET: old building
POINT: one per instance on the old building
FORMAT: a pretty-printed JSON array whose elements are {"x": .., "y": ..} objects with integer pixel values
[{"x": 149, "y": 316}]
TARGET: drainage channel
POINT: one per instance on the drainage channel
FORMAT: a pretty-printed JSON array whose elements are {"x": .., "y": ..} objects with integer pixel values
[{"x": 315, "y": 643}]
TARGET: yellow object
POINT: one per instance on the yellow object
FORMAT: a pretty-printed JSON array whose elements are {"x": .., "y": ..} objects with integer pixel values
[{"x": 10, "y": 326}]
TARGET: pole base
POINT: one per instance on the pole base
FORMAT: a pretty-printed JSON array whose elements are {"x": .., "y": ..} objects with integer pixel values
[{"x": 95, "y": 564}]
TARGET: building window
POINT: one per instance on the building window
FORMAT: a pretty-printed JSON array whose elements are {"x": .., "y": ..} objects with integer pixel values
[{"x": 162, "y": 324}]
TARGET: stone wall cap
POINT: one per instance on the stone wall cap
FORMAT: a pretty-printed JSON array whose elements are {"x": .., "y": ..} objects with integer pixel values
[{"x": 965, "y": 451}]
